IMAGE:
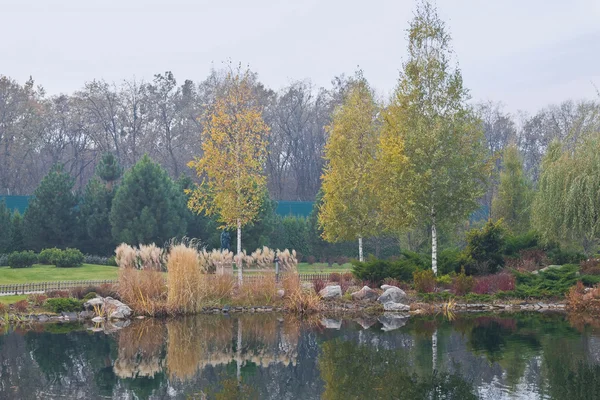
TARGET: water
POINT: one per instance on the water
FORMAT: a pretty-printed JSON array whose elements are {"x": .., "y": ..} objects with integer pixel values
[{"x": 503, "y": 356}]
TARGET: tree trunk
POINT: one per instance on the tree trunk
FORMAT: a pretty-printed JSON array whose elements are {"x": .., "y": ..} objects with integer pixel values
[
  {"x": 433, "y": 243},
  {"x": 360, "y": 249},
  {"x": 239, "y": 250},
  {"x": 434, "y": 350}
]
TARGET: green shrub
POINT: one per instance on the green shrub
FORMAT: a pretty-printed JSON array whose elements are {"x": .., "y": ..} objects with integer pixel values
[
  {"x": 515, "y": 243},
  {"x": 376, "y": 270},
  {"x": 443, "y": 280},
  {"x": 89, "y": 296},
  {"x": 558, "y": 256},
  {"x": 449, "y": 261},
  {"x": 112, "y": 261},
  {"x": 59, "y": 305},
  {"x": 69, "y": 258},
  {"x": 424, "y": 281},
  {"x": 554, "y": 282},
  {"x": 484, "y": 251},
  {"x": 48, "y": 256},
  {"x": 21, "y": 259}
]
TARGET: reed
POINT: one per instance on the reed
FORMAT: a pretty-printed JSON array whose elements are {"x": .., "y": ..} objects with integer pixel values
[{"x": 184, "y": 280}]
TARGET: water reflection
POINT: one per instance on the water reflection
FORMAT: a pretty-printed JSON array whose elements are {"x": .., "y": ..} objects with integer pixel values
[{"x": 271, "y": 357}]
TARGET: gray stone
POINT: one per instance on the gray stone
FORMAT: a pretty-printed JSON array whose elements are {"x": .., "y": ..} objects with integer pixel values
[
  {"x": 43, "y": 318},
  {"x": 331, "y": 323},
  {"x": 392, "y": 294},
  {"x": 71, "y": 316},
  {"x": 86, "y": 315},
  {"x": 393, "y": 306},
  {"x": 386, "y": 287},
  {"x": 331, "y": 292},
  {"x": 366, "y": 293},
  {"x": 281, "y": 293},
  {"x": 392, "y": 321},
  {"x": 97, "y": 319},
  {"x": 547, "y": 268},
  {"x": 97, "y": 301}
]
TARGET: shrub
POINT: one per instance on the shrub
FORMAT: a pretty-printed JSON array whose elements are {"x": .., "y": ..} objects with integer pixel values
[
  {"x": 516, "y": 243},
  {"x": 100, "y": 260},
  {"x": 311, "y": 260},
  {"x": 21, "y": 306},
  {"x": 590, "y": 266},
  {"x": 484, "y": 250},
  {"x": 558, "y": 256},
  {"x": 424, "y": 281},
  {"x": 59, "y": 305},
  {"x": 318, "y": 285},
  {"x": 462, "y": 284},
  {"x": 89, "y": 296},
  {"x": 528, "y": 260},
  {"x": 107, "y": 290},
  {"x": 3, "y": 309},
  {"x": 392, "y": 282},
  {"x": 449, "y": 261},
  {"x": 444, "y": 281},
  {"x": 376, "y": 270},
  {"x": 335, "y": 277},
  {"x": 69, "y": 258},
  {"x": 37, "y": 298},
  {"x": 23, "y": 259},
  {"x": 48, "y": 256},
  {"x": 554, "y": 282},
  {"x": 57, "y": 294},
  {"x": 3, "y": 260}
]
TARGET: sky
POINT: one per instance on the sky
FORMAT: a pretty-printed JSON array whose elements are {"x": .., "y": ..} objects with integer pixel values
[{"x": 525, "y": 54}]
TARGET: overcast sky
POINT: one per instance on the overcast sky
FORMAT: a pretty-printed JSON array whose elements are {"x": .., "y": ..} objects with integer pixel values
[{"x": 524, "y": 53}]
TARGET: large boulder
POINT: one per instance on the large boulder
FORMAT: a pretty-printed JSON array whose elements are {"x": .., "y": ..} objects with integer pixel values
[
  {"x": 393, "y": 294},
  {"x": 366, "y": 293},
  {"x": 392, "y": 306},
  {"x": 391, "y": 321},
  {"x": 331, "y": 292},
  {"x": 111, "y": 307}
]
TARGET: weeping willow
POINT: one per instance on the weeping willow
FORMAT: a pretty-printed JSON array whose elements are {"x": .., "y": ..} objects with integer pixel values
[{"x": 567, "y": 204}]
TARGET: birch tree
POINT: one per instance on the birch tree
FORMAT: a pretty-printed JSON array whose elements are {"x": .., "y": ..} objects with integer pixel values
[
  {"x": 349, "y": 208},
  {"x": 439, "y": 132},
  {"x": 234, "y": 152}
]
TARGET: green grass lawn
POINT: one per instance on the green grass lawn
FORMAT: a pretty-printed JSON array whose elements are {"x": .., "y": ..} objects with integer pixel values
[
  {"x": 323, "y": 268},
  {"x": 12, "y": 299},
  {"x": 46, "y": 273}
]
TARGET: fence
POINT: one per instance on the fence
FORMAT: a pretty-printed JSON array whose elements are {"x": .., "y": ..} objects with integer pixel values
[{"x": 32, "y": 287}]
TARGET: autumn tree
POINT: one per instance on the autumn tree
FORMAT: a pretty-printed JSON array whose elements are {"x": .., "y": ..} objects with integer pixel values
[
  {"x": 234, "y": 152},
  {"x": 430, "y": 122},
  {"x": 513, "y": 200},
  {"x": 349, "y": 208},
  {"x": 567, "y": 205}
]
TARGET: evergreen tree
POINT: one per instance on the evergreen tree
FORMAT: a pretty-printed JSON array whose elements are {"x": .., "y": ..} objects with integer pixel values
[
  {"x": 148, "y": 206},
  {"x": 430, "y": 123},
  {"x": 51, "y": 217},
  {"x": 94, "y": 222},
  {"x": 513, "y": 201},
  {"x": 6, "y": 228},
  {"x": 17, "y": 240}
]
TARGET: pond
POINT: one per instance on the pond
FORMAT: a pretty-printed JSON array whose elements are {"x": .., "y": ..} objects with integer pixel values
[{"x": 488, "y": 356}]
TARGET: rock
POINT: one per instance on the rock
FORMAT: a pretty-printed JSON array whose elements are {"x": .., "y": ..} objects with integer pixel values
[
  {"x": 330, "y": 292},
  {"x": 366, "y": 323},
  {"x": 97, "y": 320},
  {"x": 391, "y": 321},
  {"x": 386, "y": 287},
  {"x": 114, "y": 308},
  {"x": 281, "y": 293},
  {"x": 86, "y": 315},
  {"x": 547, "y": 268},
  {"x": 331, "y": 323},
  {"x": 43, "y": 318},
  {"x": 71, "y": 316},
  {"x": 121, "y": 312},
  {"x": 393, "y": 306},
  {"x": 122, "y": 324},
  {"x": 366, "y": 293},
  {"x": 392, "y": 294},
  {"x": 97, "y": 301}
]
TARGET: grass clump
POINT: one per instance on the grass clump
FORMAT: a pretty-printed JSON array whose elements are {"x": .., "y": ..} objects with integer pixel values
[{"x": 184, "y": 280}]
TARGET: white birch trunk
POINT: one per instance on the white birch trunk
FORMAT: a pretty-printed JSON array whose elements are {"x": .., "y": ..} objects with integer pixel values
[
  {"x": 239, "y": 250},
  {"x": 433, "y": 243},
  {"x": 360, "y": 249}
]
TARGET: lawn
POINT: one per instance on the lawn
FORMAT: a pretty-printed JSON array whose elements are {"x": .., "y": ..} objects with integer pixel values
[
  {"x": 46, "y": 273},
  {"x": 12, "y": 299},
  {"x": 323, "y": 268}
]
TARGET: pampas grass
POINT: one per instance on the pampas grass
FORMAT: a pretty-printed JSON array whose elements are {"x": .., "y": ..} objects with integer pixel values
[{"x": 184, "y": 280}]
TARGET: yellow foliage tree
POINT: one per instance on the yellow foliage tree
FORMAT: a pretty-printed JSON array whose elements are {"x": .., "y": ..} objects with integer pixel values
[
  {"x": 234, "y": 152},
  {"x": 349, "y": 210}
]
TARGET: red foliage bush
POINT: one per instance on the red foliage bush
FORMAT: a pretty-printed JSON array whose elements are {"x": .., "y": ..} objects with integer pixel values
[
  {"x": 494, "y": 283},
  {"x": 311, "y": 260},
  {"x": 528, "y": 260},
  {"x": 57, "y": 294},
  {"x": 335, "y": 277},
  {"x": 318, "y": 285},
  {"x": 392, "y": 282},
  {"x": 21, "y": 306},
  {"x": 590, "y": 266},
  {"x": 37, "y": 298}
]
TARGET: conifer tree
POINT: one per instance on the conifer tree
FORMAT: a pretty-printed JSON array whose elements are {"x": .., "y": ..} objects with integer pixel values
[
  {"x": 17, "y": 240},
  {"x": 5, "y": 228},
  {"x": 147, "y": 207},
  {"x": 51, "y": 217}
]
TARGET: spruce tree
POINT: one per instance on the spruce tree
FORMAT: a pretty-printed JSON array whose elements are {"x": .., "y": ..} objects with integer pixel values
[
  {"x": 17, "y": 240},
  {"x": 51, "y": 217},
  {"x": 109, "y": 170},
  {"x": 148, "y": 206},
  {"x": 5, "y": 228}
]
